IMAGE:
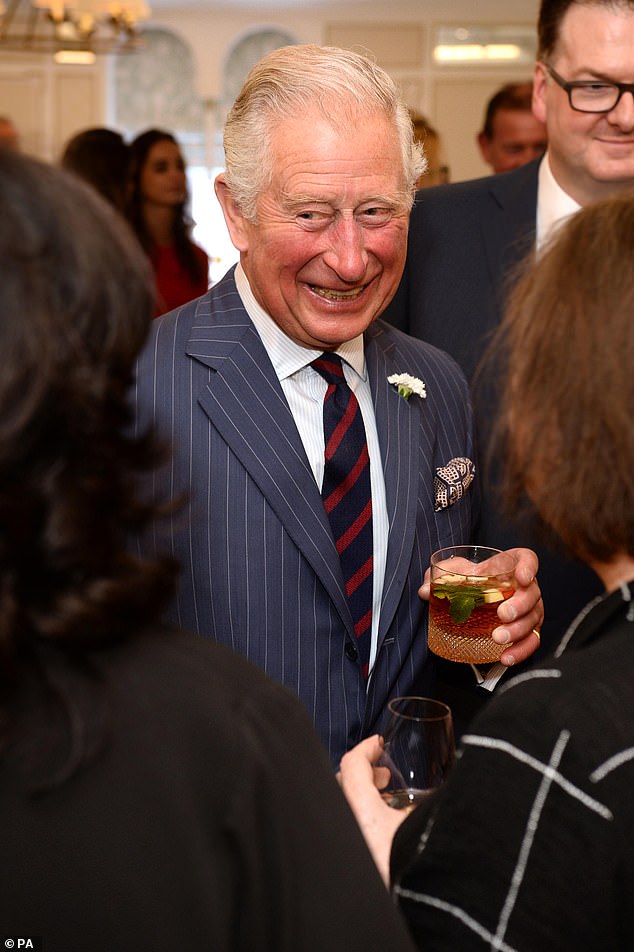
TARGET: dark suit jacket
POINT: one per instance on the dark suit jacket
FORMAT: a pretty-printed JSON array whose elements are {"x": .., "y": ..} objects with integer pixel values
[
  {"x": 260, "y": 570},
  {"x": 466, "y": 243}
]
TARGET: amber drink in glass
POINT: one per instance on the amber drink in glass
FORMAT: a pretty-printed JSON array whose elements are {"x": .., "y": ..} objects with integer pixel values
[{"x": 468, "y": 583}]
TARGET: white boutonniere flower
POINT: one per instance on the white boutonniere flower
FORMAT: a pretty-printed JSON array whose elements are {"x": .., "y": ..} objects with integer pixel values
[{"x": 407, "y": 385}]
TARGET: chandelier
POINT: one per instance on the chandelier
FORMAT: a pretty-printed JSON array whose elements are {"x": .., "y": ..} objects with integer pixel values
[{"x": 81, "y": 26}]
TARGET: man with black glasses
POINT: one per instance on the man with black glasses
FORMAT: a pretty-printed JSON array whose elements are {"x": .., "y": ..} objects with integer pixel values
[
  {"x": 467, "y": 239},
  {"x": 584, "y": 92}
]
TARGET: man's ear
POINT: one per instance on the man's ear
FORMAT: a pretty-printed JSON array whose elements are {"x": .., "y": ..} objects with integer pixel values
[
  {"x": 485, "y": 147},
  {"x": 539, "y": 92},
  {"x": 236, "y": 222}
]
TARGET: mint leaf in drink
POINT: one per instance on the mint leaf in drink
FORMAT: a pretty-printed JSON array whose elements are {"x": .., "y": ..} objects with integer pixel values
[
  {"x": 462, "y": 599},
  {"x": 461, "y": 606}
]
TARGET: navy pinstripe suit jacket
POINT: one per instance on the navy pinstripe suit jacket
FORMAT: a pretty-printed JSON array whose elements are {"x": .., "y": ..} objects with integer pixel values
[{"x": 259, "y": 568}]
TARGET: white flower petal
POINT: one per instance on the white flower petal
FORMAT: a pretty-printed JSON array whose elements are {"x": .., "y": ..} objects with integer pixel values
[{"x": 414, "y": 384}]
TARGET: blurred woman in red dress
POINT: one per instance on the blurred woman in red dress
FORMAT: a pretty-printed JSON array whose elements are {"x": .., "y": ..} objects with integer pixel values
[{"x": 157, "y": 204}]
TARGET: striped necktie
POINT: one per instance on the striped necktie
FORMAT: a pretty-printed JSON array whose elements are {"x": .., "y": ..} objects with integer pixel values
[{"x": 347, "y": 495}]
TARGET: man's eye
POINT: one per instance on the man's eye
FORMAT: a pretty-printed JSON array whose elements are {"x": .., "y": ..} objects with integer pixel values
[
  {"x": 312, "y": 218},
  {"x": 596, "y": 89},
  {"x": 375, "y": 215}
]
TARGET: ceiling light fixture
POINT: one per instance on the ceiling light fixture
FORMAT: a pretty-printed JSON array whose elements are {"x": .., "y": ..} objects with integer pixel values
[
  {"x": 474, "y": 52},
  {"x": 71, "y": 26},
  {"x": 480, "y": 46},
  {"x": 75, "y": 57}
]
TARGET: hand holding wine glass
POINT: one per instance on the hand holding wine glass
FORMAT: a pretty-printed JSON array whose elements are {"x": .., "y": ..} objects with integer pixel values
[
  {"x": 361, "y": 783},
  {"x": 384, "y": 780}
]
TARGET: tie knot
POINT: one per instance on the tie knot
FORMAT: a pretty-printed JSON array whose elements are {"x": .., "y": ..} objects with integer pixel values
[{"x": 330, "y": 368}]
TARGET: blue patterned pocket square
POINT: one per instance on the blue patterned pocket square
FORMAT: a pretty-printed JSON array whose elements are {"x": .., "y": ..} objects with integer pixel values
[{"x": 452, "y": 481}]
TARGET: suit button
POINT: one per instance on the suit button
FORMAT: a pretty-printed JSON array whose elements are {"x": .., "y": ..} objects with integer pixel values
[{"x": 351, "y": 651}]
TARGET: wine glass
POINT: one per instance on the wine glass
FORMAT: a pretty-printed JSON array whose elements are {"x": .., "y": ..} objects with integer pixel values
[{"x": 419, "y": 750}]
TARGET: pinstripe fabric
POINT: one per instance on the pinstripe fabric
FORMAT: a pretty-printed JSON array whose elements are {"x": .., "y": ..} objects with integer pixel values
[
  {"x": 305, "y": 390},
  {"x": 260, "y": 571}
]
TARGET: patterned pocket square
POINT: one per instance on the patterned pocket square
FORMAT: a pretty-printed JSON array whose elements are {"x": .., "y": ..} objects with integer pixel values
[{"x": 452, "y": 481}]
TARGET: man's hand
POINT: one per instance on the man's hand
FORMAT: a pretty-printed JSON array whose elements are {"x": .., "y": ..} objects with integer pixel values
[{"x": 521, "y": 616}]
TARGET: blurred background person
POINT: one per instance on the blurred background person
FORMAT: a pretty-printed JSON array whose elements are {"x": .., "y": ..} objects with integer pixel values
[
  {"x": 100, "y": 156},
  {"x": 156, "y": 790},
  {"x": 528, "y": 845},
  {"x": 512, "y": 135},
  {"x": 9, "y": 136},
  {"x": 157, "y": 210},
  {"x": 437, "y": 171}
]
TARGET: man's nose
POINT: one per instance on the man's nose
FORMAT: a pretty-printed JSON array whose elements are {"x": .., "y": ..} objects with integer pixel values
[
  {"x": 623, "y": 113},
  {"x": 347, "y": 255}
]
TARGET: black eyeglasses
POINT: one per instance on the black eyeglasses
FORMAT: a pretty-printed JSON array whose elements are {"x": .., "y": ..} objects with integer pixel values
[{"x": 590, "y": 95}]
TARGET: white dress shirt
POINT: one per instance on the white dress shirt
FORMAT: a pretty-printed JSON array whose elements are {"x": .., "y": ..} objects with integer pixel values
[
  {"x": 304, "y": 390},
  {"x": 554, "y": 206}
]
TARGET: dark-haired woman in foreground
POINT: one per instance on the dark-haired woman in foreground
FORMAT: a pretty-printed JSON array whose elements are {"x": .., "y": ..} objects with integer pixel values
[
  {"x": 529, "y": 846},
  {"x": 156, "y": 791}
]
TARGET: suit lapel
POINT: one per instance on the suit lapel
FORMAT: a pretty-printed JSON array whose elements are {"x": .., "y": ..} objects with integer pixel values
[
  {"x": 508, "y": 232},
  {"x": 397, "y": 423},
  {"x": 245, "y": 402}
]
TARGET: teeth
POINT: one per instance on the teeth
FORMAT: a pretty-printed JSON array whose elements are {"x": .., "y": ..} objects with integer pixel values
[{"x": 336, "y": 295}]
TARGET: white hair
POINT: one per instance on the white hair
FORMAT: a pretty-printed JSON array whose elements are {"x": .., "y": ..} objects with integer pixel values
[{"x": 288, "y": 83}]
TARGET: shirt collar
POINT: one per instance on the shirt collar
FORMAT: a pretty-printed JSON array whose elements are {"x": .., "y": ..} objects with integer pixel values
[
  {"x": 591, "y": 620},
  {"x": 554, "y": 205},
  {"x": 286, "y": 355}
]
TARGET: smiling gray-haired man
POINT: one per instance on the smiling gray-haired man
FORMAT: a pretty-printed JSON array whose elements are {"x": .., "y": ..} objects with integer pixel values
[{"x": 320, "y": 173}]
